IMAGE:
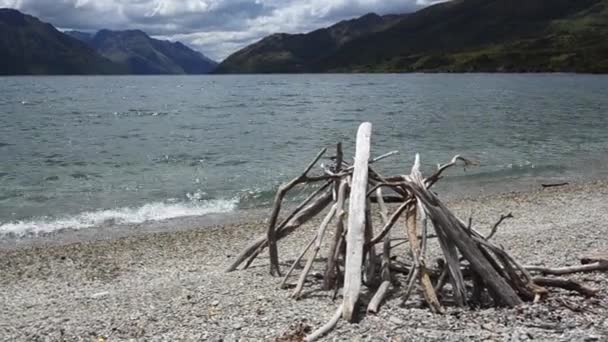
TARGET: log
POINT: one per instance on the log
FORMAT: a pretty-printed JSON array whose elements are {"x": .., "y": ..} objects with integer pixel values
[
  {"x": 596, "y": 266},
  {"x": 377, "y": 299},
  {"x": 329, "y": 279},
  {"x": 299, "y": 219},
  {"x": 356, "y": 222},
  {"x": 296, "y": 262},
  {"x": 445, "y": 222},
  {"x": 566, "y": 284},
  {"x": 385, "y": 268},
  {"x": 319, "y": 238},
  {"x": 430, "y": 296},
  {"x": 326, "y": 328},
  {"x": 370, "y": 257},
  {"x": 285, "y": 221},
  {"x": 271, "y": 232},
  {"x": 445, "y": 242}
]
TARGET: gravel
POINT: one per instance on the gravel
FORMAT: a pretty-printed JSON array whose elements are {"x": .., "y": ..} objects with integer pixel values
[{"x": 171, "y": 286}]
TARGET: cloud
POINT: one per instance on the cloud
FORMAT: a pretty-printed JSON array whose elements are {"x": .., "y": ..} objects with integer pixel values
[{"x": 215, "y": 27}]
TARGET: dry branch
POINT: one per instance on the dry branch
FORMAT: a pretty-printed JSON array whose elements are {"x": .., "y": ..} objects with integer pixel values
[
  {"x": 495, "y": 226},
  {"x": 319, "y": 238},
  {"x": 445, "y": 222},
  {"x": 385, "y": 268},
  {"x": 327, "y": 327},
  {"x": 299, "y": 219},
  {"x": 566, "y": 284},
  {"x": 274, "y": 216},
  {"x": 596, "y": 266},
  {"x": 417, "y": 248}
]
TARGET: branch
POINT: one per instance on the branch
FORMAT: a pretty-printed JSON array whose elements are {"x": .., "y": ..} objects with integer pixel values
[
  {"x": 430, "y": 181},
  {"x": 495, "y": 227},
  {"x": 597, "y": 266},
  {"x": 391, "y": 222},
  {"x": 327, "y": 327},
  {"x": 271, "y": 231},
  {"x": 566, "y": 284}
]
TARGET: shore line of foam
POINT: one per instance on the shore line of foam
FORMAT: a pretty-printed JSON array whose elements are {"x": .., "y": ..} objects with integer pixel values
[{"x": 157, "y": 211}]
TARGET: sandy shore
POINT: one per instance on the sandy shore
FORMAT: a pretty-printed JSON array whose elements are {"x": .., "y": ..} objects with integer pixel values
[{"x": 171, "y": 286}]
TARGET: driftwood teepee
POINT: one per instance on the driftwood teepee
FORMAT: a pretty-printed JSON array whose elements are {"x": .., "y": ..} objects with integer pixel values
[{"x": 471, "y": 263}]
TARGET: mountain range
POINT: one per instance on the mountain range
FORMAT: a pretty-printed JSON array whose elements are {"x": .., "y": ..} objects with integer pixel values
[
  {"x": 142, "y": 54},
  {"x": 454, "y": 36},
  {"x": 30, "y": 46},
  {"x": 290, "y": 53}
]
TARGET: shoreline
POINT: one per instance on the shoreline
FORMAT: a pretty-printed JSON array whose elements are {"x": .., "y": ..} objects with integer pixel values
[
  {"x": 451, "y": 194},
  {"x": 171, "y": 285}
]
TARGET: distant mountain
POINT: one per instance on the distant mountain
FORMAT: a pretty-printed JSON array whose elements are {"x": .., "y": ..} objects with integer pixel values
[
  {"x": 463, "y": 36},
  {"x": 299, "y": 52},
  {"x": 142, "y": 54},
  {"x": 29, "y": 46}
]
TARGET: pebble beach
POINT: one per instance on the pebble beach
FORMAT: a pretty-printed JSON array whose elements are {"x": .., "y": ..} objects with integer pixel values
[{"x": 171, "y": 286}]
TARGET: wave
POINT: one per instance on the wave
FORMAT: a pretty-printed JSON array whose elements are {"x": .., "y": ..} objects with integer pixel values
[{"x": 157, "y": 211}]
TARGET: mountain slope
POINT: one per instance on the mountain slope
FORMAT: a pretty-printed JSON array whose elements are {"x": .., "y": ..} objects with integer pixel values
[
  {"x": 144, "y": 55},
  {"x": 486, "y": 35},
  {"x": 298, "y": 52},
  {"x": 29, "y": 46},
  {"x": 460, "y": 36}
]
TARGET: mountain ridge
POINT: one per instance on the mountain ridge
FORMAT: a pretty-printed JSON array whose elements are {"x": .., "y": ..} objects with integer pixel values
[
  {"x": 143, "y": 54},
  {"x": 29, "y": 46},
  {"x": 293, "y": 52},
  {"x": 460, "y": 36},
  {"x": 32, "y": 47}
]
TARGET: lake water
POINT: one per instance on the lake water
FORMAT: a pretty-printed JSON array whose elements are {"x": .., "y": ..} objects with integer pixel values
[{"x": 79, "y": 152}]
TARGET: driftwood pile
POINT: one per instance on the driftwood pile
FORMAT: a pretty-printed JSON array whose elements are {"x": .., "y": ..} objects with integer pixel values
[{"x": 476, "y": 269}]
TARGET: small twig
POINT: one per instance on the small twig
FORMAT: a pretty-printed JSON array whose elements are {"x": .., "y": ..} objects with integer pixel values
[
  {"x": 495, "y": 226},
  {"x": 383, "y": 156},
  {"x": 391, "y": 222}
]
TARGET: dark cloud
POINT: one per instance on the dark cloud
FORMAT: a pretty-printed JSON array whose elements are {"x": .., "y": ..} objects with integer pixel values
[{"x": 216, "y": 27}]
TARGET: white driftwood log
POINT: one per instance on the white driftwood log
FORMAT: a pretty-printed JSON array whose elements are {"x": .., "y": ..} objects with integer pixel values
[{"x": 356, "y": 222}]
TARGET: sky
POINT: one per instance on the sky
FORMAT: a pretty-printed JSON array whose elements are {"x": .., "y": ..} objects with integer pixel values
[{"x": 217, "y": 28}]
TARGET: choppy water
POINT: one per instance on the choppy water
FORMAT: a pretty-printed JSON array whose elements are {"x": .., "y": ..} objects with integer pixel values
[{"x": 81, "y": 152}]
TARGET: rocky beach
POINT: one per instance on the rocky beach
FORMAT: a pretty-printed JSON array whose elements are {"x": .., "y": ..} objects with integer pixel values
[{"x": 171, "y": 286}]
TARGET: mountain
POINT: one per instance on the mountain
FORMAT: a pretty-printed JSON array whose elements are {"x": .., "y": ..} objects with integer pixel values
[
  {"x": 142, "y": 54},
  {"x": 29, "y": 46},
  {"x": 471, "y": 36},
  {"x": 283, "y": 52}
]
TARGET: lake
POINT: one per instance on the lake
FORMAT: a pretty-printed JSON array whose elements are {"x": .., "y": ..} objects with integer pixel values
[{"x": 80, "y": 152}]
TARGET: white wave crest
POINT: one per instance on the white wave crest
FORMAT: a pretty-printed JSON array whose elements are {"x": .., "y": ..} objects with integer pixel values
[{"x": 149, "y": 212}]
